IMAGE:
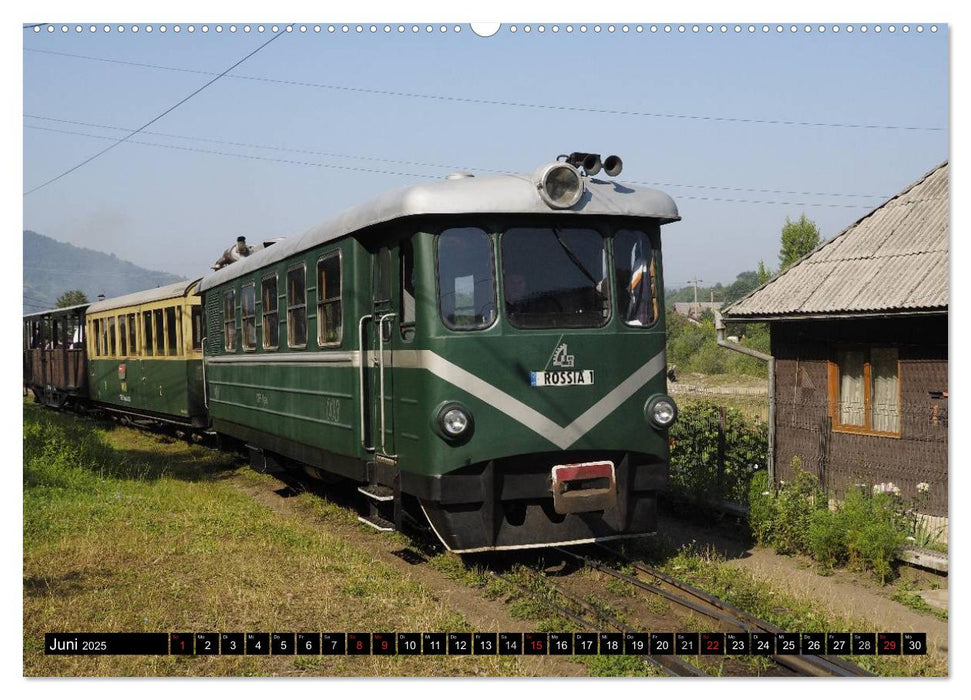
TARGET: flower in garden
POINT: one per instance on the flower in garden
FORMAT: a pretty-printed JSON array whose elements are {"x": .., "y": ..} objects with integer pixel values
[{"x": 923, "y": 487}]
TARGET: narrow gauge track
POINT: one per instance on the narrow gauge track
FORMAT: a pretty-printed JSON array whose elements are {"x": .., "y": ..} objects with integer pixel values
[
  {"x": 687, "y": 596},
  {"x": 671, "y": 665}
]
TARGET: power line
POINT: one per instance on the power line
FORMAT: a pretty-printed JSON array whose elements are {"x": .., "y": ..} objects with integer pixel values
[
  {"x": 503, "y": 103},
  {"x": 426, "y": 164},
  {"x": 376, "y": 171},
  {"x": 152, "y": 121}
]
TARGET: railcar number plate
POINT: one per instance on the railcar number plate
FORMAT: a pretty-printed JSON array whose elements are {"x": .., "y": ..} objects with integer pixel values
[{"x": 562, "y": 377}]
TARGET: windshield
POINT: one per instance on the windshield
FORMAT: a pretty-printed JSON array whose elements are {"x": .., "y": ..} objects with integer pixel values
[
  {"x": 555, "y": 277},
  {"x": 466, "y": 289}
]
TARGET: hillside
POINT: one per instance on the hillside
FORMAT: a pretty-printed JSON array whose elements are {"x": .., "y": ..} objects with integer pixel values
[{"x": 52, "y": 268}]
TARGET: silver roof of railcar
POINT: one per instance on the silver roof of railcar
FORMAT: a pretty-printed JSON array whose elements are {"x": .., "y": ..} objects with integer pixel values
[
  {"x": 496, "y": 194},
  {"x": 169, "y": 291},
  {"x": 62, "y": 310}
]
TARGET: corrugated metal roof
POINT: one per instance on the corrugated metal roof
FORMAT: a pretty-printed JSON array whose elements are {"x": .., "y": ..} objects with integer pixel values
[
  {"x": 893, "y": 259},
  {"x": 497, "y": 194},
  {"x": 169, "y": 291}
]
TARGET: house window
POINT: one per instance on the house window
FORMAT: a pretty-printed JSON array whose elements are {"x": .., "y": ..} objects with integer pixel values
[
  {"x": 247, "y": 304},
  {"x": 865, "y": 390},
  {"x": 297, "y": 307},
  {"x": 329, "y": 322},
  {"x": 229, "y": 319},
  {"x": 271, "y": 318}
]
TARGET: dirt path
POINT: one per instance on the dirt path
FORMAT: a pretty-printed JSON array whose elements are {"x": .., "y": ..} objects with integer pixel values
[
  {"x": 843, "y": 594},
  {"x": 483, "y": 614}
]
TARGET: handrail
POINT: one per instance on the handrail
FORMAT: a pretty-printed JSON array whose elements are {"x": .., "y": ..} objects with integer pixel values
[
  {"x": 380, "y": 331},
  {"x": 361, "y": 369}
]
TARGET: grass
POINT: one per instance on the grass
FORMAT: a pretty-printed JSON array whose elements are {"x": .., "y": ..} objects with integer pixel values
[
  {"x": 905, "y": 594},
  {"x": 128, "y": 531}
]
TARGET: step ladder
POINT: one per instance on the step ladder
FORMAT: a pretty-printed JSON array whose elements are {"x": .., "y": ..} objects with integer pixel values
[{"x": 380, "y": 499}]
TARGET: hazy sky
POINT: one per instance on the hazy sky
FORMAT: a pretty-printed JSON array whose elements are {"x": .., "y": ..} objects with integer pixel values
[{"x": 316, "y": 122}]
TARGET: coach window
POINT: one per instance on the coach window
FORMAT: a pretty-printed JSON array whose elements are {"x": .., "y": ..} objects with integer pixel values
[
  {"x": 407, "y": 310},
  {"x": 271, "y": 316},
  {"x": 466, "y": 279},
  {"x": 123, "y": 335},
  {"x": 636, "y": 275},
  {"x": 196, "y": 327},
  {"x": 247, "y": 309},
  {"x": 329, "y": 318},
  {"x": 159, "y": 332},
  {"x": 132, "y": 334},
  {"x": 148, "y": 345},
  {"x": 172, "y": 330},
  {"x": 297, "y": 307},
  {"x": 97, "y": 337},
  {"x": 229, "y": 319},
  {"x": 111, "y": 336}
]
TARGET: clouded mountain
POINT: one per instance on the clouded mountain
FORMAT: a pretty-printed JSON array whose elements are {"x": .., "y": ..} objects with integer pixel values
[{"x": 52, "y": 268}]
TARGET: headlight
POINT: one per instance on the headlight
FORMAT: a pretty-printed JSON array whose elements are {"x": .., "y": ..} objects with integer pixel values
[
  {"x": 559, "y": 185},
  {"x": 661, "y": 411},
  {"x": 454, "y": 422}
]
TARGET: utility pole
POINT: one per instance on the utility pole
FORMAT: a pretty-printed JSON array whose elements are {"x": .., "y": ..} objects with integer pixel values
[{"x": 695, "y": 282}]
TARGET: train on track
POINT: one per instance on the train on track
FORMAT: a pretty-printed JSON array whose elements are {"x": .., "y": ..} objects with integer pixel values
[{"x": 484, "y": 354}]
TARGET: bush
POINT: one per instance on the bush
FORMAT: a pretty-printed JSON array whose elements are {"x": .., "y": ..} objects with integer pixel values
[
  {"x": 866, "y": 531},
  {"x": 761, "y": 508},
  {"x": 694, "y": 453}
]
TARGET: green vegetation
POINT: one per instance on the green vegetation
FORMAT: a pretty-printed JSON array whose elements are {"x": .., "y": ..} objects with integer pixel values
[
  {"x": 799, "y": 238},
  {"x": 744, "y": 283},
  {"x": 693, "y": 347},
  {"x": 129, "y": 531},
  {"x": 694, "y": 453},
  {"x": 865, "y": 532},
  {"x": 71, "y": 298}
]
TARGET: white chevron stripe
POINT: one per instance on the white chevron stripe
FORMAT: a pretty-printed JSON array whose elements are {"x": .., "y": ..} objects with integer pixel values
[{"x": 562, "y": 437}]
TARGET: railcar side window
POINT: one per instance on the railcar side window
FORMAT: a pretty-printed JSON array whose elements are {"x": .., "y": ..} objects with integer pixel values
[
  {"x": 229, "y": 319},
  {"x": 329, "y": 316},
  {"x": 247, "y": 307},
  {"x": 636, "y": 274},
  {"x": 197, "y": 331},
  {"x": 555, "y": 278},
  {"x": 35, "y": 342},
  {"x": 297, "y": 307},
  {"x": 271, "y": 318},
  {"x": 466, "y": 279},
  {"x": 148, "y": 348}
]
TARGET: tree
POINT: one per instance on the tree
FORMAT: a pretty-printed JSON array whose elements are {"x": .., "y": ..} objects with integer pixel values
[
  {"x": 798, "y": 238},
  {"x": 71, "y": 298},
  {"x": 763, "y": 274}
]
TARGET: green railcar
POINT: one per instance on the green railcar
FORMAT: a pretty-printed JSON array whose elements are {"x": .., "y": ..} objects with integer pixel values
[
  {"x": 484, "y": 353},
  {"x": 145, "y": 355}
]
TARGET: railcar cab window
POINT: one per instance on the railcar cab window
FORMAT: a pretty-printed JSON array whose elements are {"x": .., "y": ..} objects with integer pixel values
[
  {"x": 271, "y": 317},
  {"x": 297, "y": 307},
  {"x": 555, "y": 278},
  {"x": 247, "y": 309},
  {"x": 466, "y": 279},
  {"x": 407, "y": 310},
  {"x": 636, "y": 275},
  {"x": 329, "y": 318},
  {"x": 229, "y": 320}
]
